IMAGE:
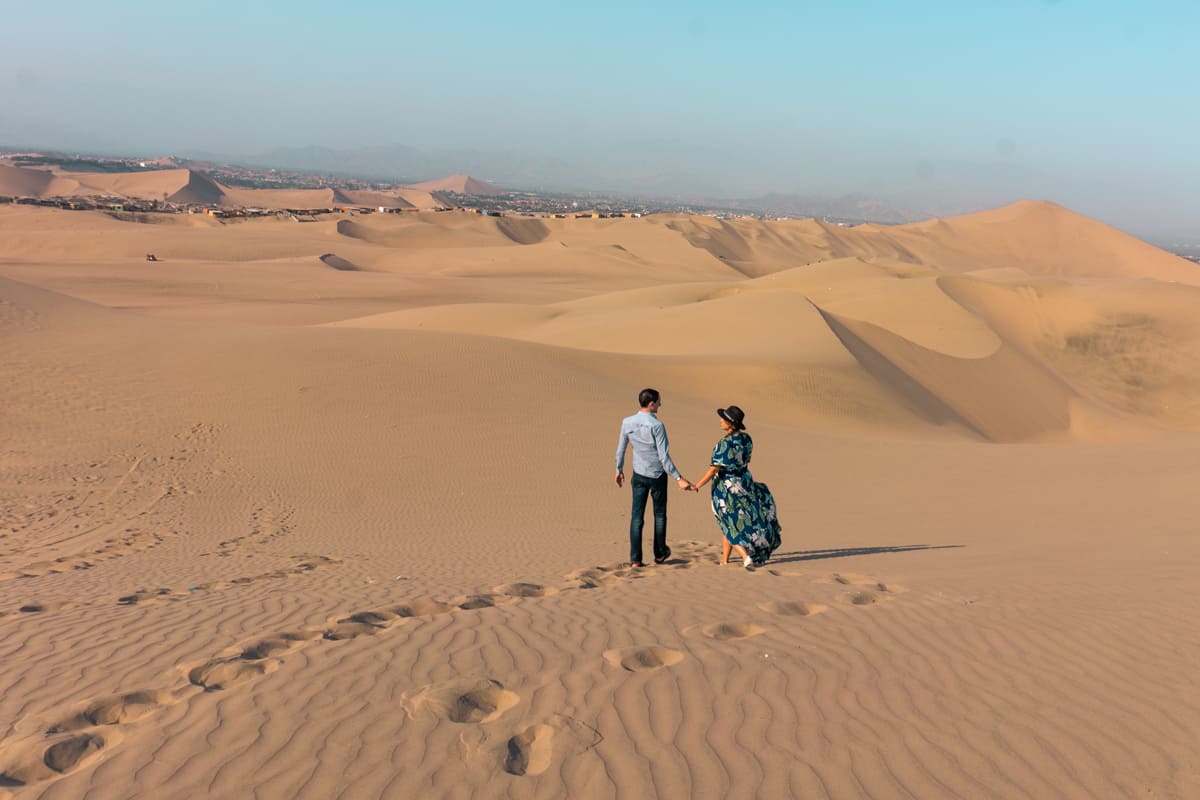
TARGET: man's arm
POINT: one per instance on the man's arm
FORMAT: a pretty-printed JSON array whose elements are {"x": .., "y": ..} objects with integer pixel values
[
  {"x": 664, "y": 455},
  {"x": 622, "y": 444}
]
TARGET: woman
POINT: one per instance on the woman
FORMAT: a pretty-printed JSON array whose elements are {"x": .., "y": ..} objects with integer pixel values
[{"x": 745, "y": 510}]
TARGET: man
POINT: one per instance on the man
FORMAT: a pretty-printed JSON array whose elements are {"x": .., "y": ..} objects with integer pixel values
[{"x": 651, "y": 465}]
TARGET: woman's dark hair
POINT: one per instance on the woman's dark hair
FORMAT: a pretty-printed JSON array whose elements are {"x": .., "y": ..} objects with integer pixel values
[{"x": 646, "y": 397}]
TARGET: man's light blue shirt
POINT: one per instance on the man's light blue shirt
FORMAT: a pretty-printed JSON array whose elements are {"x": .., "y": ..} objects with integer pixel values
[{"x": 651, "y": 450}]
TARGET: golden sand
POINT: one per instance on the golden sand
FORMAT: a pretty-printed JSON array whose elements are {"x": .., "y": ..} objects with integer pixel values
[{"x": 326, "y": 509}]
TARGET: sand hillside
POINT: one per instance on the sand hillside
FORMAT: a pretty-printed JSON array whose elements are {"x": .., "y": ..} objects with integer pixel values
[
  {"x": 318, "y": 509},
  {"x": 460, "y": 183},
  {"x": 187, "y": 186}
]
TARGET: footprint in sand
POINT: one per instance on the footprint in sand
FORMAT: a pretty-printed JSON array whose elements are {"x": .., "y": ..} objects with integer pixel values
[
  {"x": 727, "y": 631},
  {"x": 369, "y": 623},
  {"x": 42, "y": 763},
  {"x": 482, "y": 705},
  {"x": 530, "y": 751},
  {"x": 471, "y": 602},
  {"x": 792, "y": 608},
  {"x": 525, "y": 590},
  {"x": 38, "y": 608},
  {"x": 641, "y": 659},
  {"x": 471, "y": 702},
  {"x": 867, "y": 583},
  {"x": 590, "y": 578},
  {"x": 144, "y": 596},
  {"x": 68, "y": 753},
  {"x": 378, "y": 618},
  {"x": 113, "y": 711},
  {"x": 347, "y": 629},
  {"x": 421, "y": 608},
  {"x": 273, "y": 645},
  {"x": 220, "y": 674}
]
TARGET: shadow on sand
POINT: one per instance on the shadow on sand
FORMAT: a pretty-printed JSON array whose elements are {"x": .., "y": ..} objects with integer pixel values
[{"x": 847, "y": 552}]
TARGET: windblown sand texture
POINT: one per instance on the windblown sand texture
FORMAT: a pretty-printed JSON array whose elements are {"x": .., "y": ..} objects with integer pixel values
[{"x": 325, "y": 509}]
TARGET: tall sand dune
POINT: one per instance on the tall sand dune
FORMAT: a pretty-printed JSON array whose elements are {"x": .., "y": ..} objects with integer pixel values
[
  {"x": 22, "y": 182},
  {"x": 460, "y": 184},
  {"x": 1134, "y": 348},
  {"x": 147, "y": 185},
  {"x": 199, "y": 190},
  {"x": 420, "y": 199},
  {"x": 1042, "y": 239},
  {"x": 1004, "y": 396}
]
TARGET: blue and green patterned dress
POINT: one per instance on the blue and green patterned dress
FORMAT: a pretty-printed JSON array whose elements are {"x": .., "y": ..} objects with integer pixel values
[{"x": 745, "y": 510}]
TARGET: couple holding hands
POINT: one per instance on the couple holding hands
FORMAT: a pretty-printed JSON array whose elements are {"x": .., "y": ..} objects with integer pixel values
[{"x": 745, "y": 510}]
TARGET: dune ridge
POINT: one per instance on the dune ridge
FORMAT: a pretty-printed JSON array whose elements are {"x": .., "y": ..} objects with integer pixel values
[
  {"x": 1003, "y": 396},
  {"x": 189, "y": 186},
  {"x": 459, "y": 183}
]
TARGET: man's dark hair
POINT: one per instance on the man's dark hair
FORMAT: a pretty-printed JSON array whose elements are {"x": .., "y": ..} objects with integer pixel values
[{"x": 646, "y": 397}]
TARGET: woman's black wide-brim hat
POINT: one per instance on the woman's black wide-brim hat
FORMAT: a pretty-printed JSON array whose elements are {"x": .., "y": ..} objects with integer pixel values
[{"x": 734, "y": 416}]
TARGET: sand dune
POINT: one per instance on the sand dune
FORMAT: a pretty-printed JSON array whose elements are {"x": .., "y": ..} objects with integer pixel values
[
  {"x": 462, "y": 184},
  {"x": 187, "y": 186},
  {"x": 199, "y": 189},
  {"x": 1135, "y": 348},
  {"x": 441, "y": 231},
  {"x": 1002, "y": 396},
  {"x": 313, "y": 509},
  {"x": 282, "y": 198},
  {"x": 523, "y": 231},
  {"x": 149, "y": 185},
  {"x": 1040, "y": 238},
  {"x": 384, "y": 199},
  {"x": 20, "y": 182}
]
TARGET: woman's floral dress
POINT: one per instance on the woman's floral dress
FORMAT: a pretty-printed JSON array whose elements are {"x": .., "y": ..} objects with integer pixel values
[{"x": 745, "y": 510}]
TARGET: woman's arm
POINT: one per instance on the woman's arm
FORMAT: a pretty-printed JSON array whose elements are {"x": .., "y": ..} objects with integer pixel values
[{"x": 708, "y": 476}]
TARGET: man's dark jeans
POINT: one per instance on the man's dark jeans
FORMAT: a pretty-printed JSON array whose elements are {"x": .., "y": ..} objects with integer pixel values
[{"x": 656, "y": 488}]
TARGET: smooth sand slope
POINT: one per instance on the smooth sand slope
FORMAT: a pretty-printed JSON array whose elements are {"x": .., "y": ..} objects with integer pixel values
[
  {"x": 188, "y": 186},
  {"x": 326, "y": 509}
]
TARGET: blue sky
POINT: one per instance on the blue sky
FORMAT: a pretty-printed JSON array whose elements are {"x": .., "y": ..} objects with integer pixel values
[{"x": 946, "y": 104}]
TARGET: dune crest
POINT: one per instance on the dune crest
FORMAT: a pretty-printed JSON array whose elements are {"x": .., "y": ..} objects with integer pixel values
[
  {"x": 1040, "y": 238},
  {"x": 459, "y": 183}
]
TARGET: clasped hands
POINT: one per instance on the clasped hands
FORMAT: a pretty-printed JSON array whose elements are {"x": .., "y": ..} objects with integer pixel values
[{"x": 683, "y": 482}]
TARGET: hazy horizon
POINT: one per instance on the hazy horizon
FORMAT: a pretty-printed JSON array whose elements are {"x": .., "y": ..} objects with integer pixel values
[{"x": 929, "y": 105}]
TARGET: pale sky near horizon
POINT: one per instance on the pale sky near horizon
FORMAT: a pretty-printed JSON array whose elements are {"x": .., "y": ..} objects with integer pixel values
[{"x": 1091, "y": 104}]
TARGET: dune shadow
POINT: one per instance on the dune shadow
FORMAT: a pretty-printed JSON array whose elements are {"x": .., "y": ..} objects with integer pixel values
[
  {"x": 849, "y": 552},
  {"x": 339, "y": 263}
]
